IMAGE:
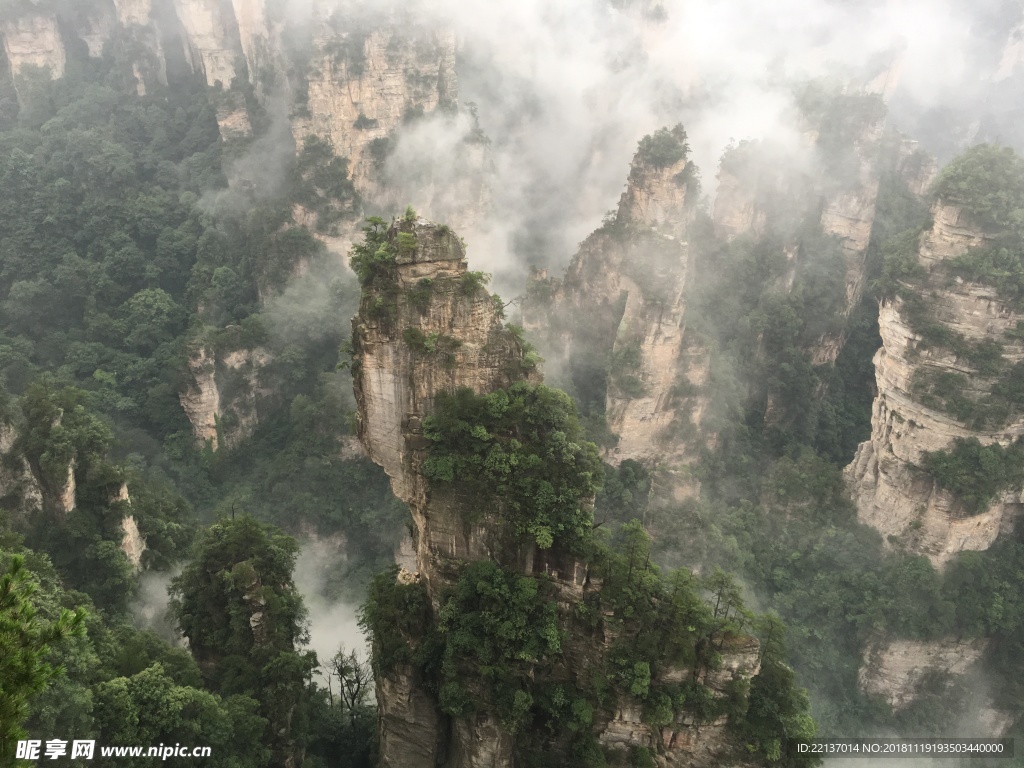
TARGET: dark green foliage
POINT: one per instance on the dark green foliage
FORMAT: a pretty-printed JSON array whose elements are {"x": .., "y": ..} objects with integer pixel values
[
  {"x": 531, "y": 358},
  {"x": 25, "y": 640},
  {"x": 801, "y": 548},
  {"x": 497, "y": 626},
  {"x": 999, "y": 265},
  {"x": 322, "y": 184},
  {"x": 363, "y": 122},
  {"x": 900, "y": 263},
  {"x": 239, "y": 564},
  {"x": 241, "y": 574},
  {"x": 150, "y": 708},
  {"x": 394, "y": 615},
  {"x": 841, "y": 119},
  {"x": 110, "y": 274},
  {"x": 665, "y": 147},
  {"x": 433, "y": 344},
  {"x": 623, "y": 367},
  {"x": 523, "y": 447},
  {"x": 60, "y": 432},
  {"x": 625, "y": 493},
  {"x": 988, "y": 181},
  {"x": 471, "y": 282},
  {"x": 977, "y": 473},
  {"x": 380, "y": 148},
  {"x": 373, "y": 260},
  {"x": 420, "y": 294},
  {"x": 777, "y": 714}
]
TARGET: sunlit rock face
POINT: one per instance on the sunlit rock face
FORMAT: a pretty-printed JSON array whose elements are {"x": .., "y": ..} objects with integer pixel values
[{"x": 892, "y": 493}]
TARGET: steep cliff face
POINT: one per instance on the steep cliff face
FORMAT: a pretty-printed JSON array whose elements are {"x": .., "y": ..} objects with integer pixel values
[
  {"x": 736, "y": 210},
  {"x": 20, "y": 492},
  {"x": 849, "y": 214},
  {"x": 891, "y": 492},
  {"x": 652, "y": 325},
  {"x": 259, "y": 39},
  {"x": 362, "y": 84},
  {"x": 138, "y": 29},
  {"x": 221, "y": 401},
  {"x": 34, "y": 41},
  {"x": 895, "y": 669},
  {"x": 367, "y": 76},
  {"x": 623, "y": 298},
  {"x": 428, "y": 294},
  {"x": 395, "y": 387},
  {"x": 397, "y": 383},
  {"x": 212, "y": 35}
]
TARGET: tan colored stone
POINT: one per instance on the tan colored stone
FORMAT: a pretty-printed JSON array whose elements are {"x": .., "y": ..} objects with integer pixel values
[
  {"x": 34, "y": 41},
  {"x": 133, "y": 544},
  {"x": 892, "y": 494},
  {"x": 892, "y": 669},
  {"x": 212, "y": 36},
  {"x": 394, "y": 71}
]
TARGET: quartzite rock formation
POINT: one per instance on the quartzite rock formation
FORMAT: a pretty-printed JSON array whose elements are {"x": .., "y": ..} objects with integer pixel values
[{"x": 892, "y": 493}]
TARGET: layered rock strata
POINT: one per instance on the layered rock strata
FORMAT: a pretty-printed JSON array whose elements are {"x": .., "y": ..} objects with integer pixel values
[
  {"x": 891, "y": 491},
  {"x": 895, "y": 669}
]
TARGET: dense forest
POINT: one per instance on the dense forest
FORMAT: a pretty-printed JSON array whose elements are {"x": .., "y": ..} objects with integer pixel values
[{"x": 114, "y": 271}]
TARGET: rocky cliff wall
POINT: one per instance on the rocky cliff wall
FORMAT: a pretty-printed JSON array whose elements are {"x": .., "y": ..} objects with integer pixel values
[
  {"x": 849, "y": 214},
  {"x": 362, "y": 85},
  {"x": 34, "y": 41},
  {"x": 366, "y": 77},
  {"x": 396, "y": 384},
  {"x": 624, "y": 298},
  {"x": 20, "y": 492},
  {"x": 891, "y": 491},
  {"x": 223, "y": 396},
  {"x": 213, "y": 39},
  {"x": 895, "y": 669}
]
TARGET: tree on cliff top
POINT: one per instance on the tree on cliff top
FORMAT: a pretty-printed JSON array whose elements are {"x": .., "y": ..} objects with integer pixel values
[
  {"x": 665, "y": 147},
  {"x": 244, "y": 619},
  {"x": 988, "y": 181}
]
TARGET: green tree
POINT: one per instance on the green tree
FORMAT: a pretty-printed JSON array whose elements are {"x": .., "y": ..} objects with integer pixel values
[
  {"x": 25, "y": 641},
  {"x": 245, "y": 622}
]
